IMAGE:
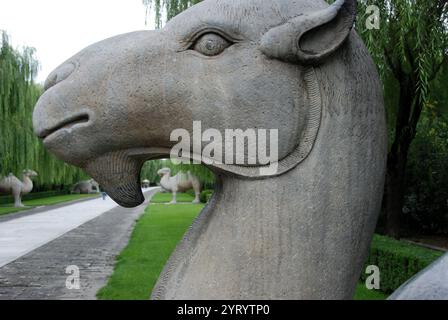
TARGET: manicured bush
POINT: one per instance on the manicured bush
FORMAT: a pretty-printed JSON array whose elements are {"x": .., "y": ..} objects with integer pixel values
[
  {"x": 205, "y": 195},
  {"x": 398, "y": 261}
]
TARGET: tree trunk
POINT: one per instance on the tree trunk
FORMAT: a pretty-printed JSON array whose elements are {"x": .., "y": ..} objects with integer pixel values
[
  {"x": 394, "y": 197},
  {"x": 397, "y": 159}
]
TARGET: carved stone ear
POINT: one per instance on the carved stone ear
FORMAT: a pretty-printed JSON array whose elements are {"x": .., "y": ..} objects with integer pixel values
[{"x": 310, "y": 38}]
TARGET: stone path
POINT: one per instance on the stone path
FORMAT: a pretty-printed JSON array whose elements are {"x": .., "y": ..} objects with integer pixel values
[{"x": 87, "y": 235}]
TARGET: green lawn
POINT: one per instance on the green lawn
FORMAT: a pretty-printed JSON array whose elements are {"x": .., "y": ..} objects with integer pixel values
[
  {"x": 167, "y": 197},
  {"x": 155, "y": 236},
  {"x": 9, "y": 208},
  {"x": 362, "y": 293}
]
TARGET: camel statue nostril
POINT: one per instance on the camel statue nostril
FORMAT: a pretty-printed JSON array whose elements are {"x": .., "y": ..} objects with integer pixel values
[{"x": 59, "y": 75}]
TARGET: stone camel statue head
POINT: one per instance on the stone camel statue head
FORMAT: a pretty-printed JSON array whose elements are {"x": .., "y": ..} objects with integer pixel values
[
  {"x": 30, "y": 173},
  {"x": 164, "y": 171},
  {"x": 292, "y": 65}
]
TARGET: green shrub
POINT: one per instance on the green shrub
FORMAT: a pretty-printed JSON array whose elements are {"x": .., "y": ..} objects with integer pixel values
[
  {"x": 397, "y": 261},
  {"x": 426, "y": 205},
  {"x": 205, "y": 195}
]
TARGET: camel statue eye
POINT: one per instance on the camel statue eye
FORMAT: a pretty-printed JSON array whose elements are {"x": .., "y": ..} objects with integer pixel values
[{"x": 211, "y": 44}]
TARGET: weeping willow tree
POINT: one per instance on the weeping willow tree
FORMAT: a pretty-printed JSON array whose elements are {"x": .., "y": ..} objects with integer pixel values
[
  {"x": 166, "y": 9},
  {"x": 19, "y": 148},
  {"x": 410, "y": 48}
]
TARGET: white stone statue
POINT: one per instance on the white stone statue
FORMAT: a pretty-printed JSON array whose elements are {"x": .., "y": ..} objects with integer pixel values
[
  {"x": 179, "y": 183},
  {"x": 12, "y": 185},
  {"x": 86, "y": 187},
  {"x": 297, "y": 66}
]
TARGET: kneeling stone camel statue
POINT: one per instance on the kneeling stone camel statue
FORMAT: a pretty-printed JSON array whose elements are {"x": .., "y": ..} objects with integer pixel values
[
  {"x": 179, "y": 183},
  {"x": 292, "y": 65},
  {"x": 86, "y": 187},
  {"x": 12, "y": 185}
]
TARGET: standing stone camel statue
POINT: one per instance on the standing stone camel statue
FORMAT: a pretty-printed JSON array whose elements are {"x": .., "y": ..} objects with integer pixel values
[
  {"x": 12, "y": 185},
  {"x": 293, "y": 65},
  {"x": 179, "y": 183}
]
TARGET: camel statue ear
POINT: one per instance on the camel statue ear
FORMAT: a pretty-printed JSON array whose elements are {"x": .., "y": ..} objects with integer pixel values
[{"x": 310, "y": 38}]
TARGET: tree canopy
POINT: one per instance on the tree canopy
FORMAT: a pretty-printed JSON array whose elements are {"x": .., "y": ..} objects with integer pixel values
[
  {"x": 166, "y": 9},
  {"x": 410, "y": 48}
]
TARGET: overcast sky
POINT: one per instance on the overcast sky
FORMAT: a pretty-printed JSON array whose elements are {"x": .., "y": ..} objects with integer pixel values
[{"x": 60, "y": 28}]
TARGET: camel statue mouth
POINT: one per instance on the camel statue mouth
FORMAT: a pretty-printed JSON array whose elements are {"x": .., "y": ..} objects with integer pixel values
[
  {"x": 118, "y": 173},
  {"x": 66, "y": 124}
]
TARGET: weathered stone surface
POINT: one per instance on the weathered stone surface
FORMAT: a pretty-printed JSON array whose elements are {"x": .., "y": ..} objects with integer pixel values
[{"x": 295, "y": 66}]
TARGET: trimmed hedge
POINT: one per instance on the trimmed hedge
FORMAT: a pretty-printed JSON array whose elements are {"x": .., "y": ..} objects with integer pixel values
[
  {"x": 205, "y": 196},
  {"x": 397, "y": 261},
  {"x": 33, "y": 196}
]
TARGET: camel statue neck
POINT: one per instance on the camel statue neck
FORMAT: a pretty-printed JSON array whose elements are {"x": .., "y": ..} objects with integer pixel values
[
  {"x": 227, "y": 248},
  {"x": 27, "y": 184},
  {"x": 255, "y": 240},
  {"x": 164, "y": 181}
]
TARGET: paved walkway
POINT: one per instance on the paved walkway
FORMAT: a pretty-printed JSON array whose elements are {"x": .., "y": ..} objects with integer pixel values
[{"x": 35, "y": 250}]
